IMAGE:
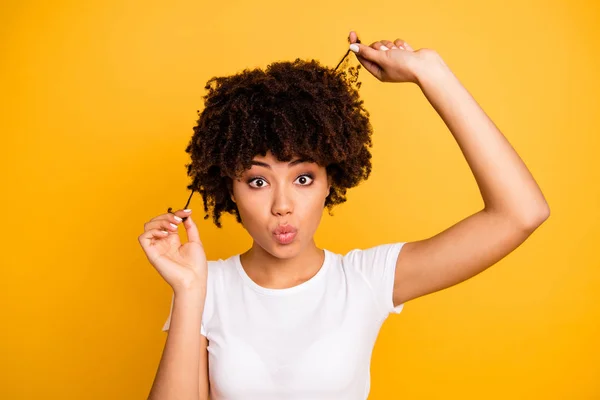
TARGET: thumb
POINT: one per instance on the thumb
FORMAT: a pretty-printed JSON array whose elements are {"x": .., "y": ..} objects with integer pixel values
[
  {"x": 369, "y": 57},
  {"x": 191, "y": 230},
  {"x": 366, "y": 52}
]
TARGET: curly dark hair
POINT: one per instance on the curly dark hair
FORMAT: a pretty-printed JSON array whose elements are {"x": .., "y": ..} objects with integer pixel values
[{"x": 298, "y": 108}]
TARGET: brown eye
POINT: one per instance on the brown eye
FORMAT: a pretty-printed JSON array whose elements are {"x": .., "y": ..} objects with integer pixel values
[
  {"x": 303, "y": 178},
  {"x": 259, "y": 182}
]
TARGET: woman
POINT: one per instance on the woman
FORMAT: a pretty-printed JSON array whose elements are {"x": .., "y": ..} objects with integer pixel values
[{"x": 285, "y": 319}]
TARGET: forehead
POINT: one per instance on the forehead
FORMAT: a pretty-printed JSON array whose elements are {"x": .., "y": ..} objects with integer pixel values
[{"x": 270, "y": 159}]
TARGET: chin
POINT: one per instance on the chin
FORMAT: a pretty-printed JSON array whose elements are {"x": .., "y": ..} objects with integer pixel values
[{"x": 283, "y": 251}]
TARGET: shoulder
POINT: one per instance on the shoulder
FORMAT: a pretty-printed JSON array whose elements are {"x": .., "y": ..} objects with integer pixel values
[
  {"x": 220, "y": 268},
  {"x": 382, "y": 254},
  {"x": 219, "y": 279}
]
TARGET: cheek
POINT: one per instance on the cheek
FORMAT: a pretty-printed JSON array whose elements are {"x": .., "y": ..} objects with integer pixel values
[
  {"x": 310, "y": 208},
  {"x": 251, "y": 207}
]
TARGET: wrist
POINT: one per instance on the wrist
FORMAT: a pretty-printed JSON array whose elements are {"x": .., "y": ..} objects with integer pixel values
[
  {"x": 191, "y": 292},
  {"x": 429, "y": 66}
]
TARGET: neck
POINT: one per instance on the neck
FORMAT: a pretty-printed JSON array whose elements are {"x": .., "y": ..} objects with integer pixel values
[{"x": 273, "y": 272}]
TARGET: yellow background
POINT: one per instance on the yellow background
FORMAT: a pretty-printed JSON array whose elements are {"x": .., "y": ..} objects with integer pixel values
[{"x": 98, "y": 103}]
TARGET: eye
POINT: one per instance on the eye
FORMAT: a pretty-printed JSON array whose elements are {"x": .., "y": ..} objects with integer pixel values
[
  {"x": 303, "y": 178},
  {"x": 260, "y": 182}
]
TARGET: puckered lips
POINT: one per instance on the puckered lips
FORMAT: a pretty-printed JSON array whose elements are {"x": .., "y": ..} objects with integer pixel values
[{"x": 285, "y": 234}]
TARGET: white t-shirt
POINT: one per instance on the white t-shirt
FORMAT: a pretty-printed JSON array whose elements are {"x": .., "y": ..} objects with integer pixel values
[{"x": 311, "y": 341}]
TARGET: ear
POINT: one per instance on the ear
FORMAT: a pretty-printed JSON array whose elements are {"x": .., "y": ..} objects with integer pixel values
[{"x": 230, "y": 189}]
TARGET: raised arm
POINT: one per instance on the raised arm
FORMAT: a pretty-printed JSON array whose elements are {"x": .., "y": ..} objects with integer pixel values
[{"x": 514, "y": 205}]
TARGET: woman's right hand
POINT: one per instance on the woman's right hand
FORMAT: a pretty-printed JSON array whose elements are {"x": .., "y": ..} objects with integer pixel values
[{"x": 184, "y": 267}]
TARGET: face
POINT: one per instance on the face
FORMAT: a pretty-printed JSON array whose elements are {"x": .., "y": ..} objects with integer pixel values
[{"x": 273, "y": 193}]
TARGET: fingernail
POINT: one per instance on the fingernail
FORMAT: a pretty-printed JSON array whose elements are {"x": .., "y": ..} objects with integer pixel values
[
  {"x": 383, "y": 48},
  {"x": 187, "y": 210},
  {"x": 173, "y": 225},
  {"x": 354, "y": 47}
]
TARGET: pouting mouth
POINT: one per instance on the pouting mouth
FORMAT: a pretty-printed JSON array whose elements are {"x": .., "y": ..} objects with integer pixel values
[{"x": 281, "y": 229}]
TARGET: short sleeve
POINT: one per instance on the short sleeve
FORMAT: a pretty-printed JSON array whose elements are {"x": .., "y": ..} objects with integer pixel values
[
  {"x": 168, "y": 321},
  {"x": 377, "y": 265}
]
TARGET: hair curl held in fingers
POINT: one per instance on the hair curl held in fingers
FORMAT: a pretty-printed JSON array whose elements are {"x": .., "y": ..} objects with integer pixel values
[{"x": 293, "y": 109}]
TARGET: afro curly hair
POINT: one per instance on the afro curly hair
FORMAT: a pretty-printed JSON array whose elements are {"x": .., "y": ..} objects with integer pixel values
[{"x": 298, "y": 108}]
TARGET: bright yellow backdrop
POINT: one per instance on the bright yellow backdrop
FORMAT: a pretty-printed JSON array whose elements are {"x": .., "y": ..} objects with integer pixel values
[{"x": 99, "y": 99}]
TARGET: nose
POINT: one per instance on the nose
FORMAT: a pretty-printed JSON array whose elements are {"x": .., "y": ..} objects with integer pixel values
[{"x": 282, "y": 201}]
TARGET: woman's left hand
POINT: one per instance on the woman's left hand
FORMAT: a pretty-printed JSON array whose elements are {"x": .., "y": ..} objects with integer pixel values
[{"x": 393, "y": 61}]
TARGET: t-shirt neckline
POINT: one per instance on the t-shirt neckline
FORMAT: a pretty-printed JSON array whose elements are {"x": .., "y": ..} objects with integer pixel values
[{"x": 281, "y": 292}]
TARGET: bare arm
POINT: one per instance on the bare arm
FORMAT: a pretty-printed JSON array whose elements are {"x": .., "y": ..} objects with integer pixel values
[
  {"x": 183, "y": 372},
  {"x": 506, "y": 185},
  {"x": 514, "y": 204}
]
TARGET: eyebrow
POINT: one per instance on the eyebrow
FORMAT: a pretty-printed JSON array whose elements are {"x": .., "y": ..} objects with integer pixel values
[{"x": 291, "y": 164}]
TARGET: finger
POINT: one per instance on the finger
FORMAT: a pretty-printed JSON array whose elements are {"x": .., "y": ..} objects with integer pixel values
[
  {"x": 367, "y": 52},
  {"x": 382, "y": 45},
  {"x": 352, "y": 37},
  {"x": 192, "y": 230},
  {"x": 181, "y": 213},
  {"x": 369, "y": 58},
  {"x": 163, "y": 224},
  {"x": 403, "y": 44},
  {"x": 387, "y": 43},
  {"x": 164, "y": 220},
  {"x": 146, "y": 238},
  {"x": 377, "y": 45},
  {"x": 175, "y": 217}
]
